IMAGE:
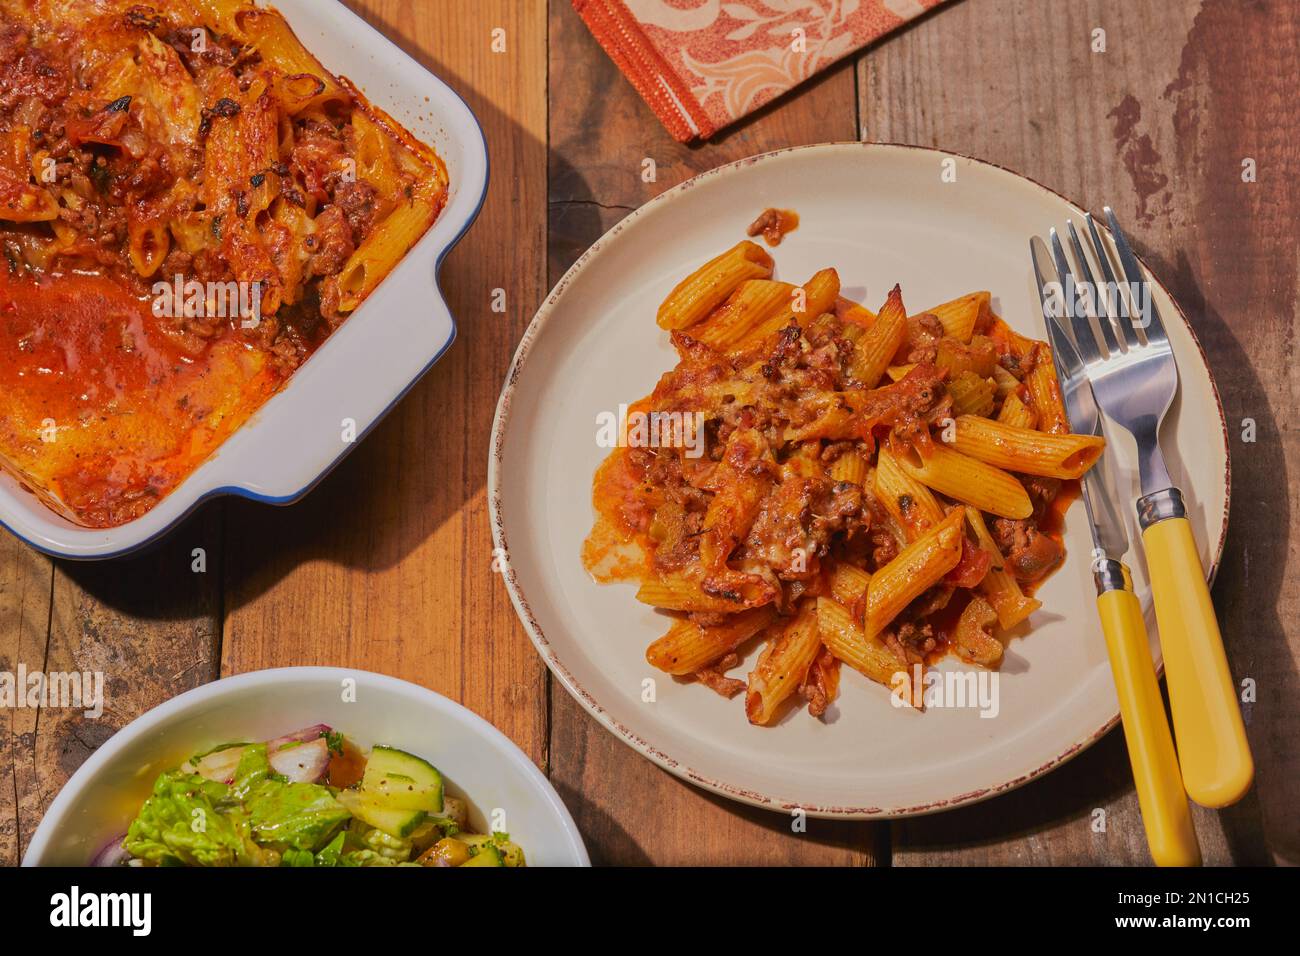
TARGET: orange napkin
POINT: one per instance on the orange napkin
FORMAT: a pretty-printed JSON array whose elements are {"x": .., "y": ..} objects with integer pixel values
[{"x": 703, "y": 64}]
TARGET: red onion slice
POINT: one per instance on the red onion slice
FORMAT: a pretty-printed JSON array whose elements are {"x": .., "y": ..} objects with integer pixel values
[
  {"x": 298, "y": 737},
  {"x": 113, "y": 853},
  {"x": 305, "y": 763}
]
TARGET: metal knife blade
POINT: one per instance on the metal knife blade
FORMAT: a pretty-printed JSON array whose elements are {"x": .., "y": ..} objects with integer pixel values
[{"x": 1098, "y": 488}]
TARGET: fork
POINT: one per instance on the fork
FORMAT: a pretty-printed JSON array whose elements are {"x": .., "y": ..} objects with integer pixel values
[{"x": 1135, "y": 378}]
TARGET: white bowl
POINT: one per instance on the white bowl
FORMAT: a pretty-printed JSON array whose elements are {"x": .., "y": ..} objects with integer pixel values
[
  {"x": 479, "y": 763},
  {"x": 367, "y": 365}
]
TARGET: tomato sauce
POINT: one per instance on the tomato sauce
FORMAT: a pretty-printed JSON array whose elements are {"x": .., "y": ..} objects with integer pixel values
[{"x": 98, "y": 407}]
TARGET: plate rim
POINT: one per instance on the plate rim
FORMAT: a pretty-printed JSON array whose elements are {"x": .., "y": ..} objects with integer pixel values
[{"x": 501, "y": 421}]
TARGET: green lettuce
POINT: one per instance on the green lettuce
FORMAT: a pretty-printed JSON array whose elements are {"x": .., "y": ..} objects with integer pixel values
[
  {"x": 189, "y": 821},
  {"x": 299, "y": 815}
]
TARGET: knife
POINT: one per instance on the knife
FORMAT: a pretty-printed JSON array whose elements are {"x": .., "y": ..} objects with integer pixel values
[{"x": 1156, "y": 775}]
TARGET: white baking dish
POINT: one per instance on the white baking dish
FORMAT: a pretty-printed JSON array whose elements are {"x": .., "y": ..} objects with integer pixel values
[{"x": 368, "y": 364}]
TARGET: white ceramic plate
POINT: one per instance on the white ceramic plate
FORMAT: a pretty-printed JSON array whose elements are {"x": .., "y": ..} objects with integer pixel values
[
  {"x": 478, "y": 762},
  {"x": 879, "y": 214},
  {"x": 368, "y": 364}
]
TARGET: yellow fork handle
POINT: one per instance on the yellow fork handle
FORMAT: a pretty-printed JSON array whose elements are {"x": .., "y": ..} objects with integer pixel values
[
  {"x": 1212, "y": 745},
  {"x": 1165, "y": 814}
]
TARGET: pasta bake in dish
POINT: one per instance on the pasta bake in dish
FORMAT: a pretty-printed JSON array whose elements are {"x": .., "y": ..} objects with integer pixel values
[
  {"x": 847, "y": 487},
  {"x": 189, "y": 204}
]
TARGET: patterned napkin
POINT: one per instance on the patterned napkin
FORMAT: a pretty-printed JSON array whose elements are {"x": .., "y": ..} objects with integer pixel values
[{"x": 703, "y": 64}]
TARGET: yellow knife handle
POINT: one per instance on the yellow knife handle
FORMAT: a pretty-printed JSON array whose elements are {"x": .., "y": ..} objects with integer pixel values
[
  {"x": 1212, "y": 745},
  {"x": 1165, "y": 814}
]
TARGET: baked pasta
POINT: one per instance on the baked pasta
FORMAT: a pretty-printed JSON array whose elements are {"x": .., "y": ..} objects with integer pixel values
[
  {"x": 846, "y": 487},
  {"x": 189, "y": 204}
]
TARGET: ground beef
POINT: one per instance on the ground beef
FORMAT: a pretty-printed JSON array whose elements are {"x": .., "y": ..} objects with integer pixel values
[
  {"x": 334, "y": 245},
  {"x": 359, "y": 205},
  {"x": 1030, "y": 554},
  {"x": 923, "y": 334}
]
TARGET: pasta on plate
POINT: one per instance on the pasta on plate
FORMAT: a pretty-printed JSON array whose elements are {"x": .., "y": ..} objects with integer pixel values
[
  {"x": 189, "y": 204},
  {"x": 870, "y": 489}
]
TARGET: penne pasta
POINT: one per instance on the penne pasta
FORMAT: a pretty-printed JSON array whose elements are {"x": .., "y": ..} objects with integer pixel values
[
  {"x": 873, "y": 352},
  {"x": 753, "y": 302},
  {"x": 856, "y": 318},
  {"x": 804, "y": 304},
  {"x": 850, "y": 466},
  {"x": 194, "y": 160},
  {"x": 741, "y": 486},
  {"x": 868, "y": 656},
  {"x": 708, "y": 286},
  {"x": 676, "y": 592},
  {"x": 1045, "y": 393},
  {"x": 1025, "y": 450},
  {"x": 849, "y": 583},
  {"x": 378, "y": 255},
  {"x": 897, "y": 373},
  {"x": 688, "y": 647},
  {"x": 1016, "y": 413},
  {"x": 783, "y": 665},
  {"x": 148, "y": 244},
  {"x": 909, "y": 501},
  {"x": 918, "y": 566},
  {"x": 969, "y": 481},
  {"x": 269, "y": 34},
  {"x": 1006, "y": 382},
  {"x": 962, "y": 315}
]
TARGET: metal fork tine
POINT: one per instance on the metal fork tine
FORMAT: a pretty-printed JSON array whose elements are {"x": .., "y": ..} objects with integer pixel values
[
  {"x": 1063, "y": 348},
  {"x": 1098, "y": 298},
  {"x": 1148, "y": 313},
  {"x": 1122, "y": 320},
  {"x": 1082, "y": 328}
]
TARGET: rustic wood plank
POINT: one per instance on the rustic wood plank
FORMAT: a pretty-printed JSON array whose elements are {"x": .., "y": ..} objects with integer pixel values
[
  {"x": 387, "y": 565},
  {"x": 1159, "y": 131},
  {"x": 630, "y": 811},
  {"x": 148, "y": 626},
  {"x": 25, "y": 577},
  {"x": 145, "y": 628}
]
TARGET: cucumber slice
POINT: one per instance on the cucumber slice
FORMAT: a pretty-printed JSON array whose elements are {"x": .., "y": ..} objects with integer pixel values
[
  {"x": 394, "y": 821},
  {"x": 511, "y": 853},
  {"x": 487, "y": 856},
  {"x": 402, "y": 781}
]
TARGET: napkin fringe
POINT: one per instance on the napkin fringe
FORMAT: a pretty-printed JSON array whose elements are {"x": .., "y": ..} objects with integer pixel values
[{"x": 617, "y": 31}]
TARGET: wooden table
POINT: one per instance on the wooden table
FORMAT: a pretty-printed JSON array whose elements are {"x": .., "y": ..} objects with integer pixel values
[{"x": 388, "y": 566}]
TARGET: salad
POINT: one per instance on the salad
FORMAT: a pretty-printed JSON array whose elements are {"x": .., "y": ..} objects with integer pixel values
[{"x": 309, "y": 798}]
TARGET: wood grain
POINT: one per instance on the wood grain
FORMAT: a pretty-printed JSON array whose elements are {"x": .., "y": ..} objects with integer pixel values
[
  {"x": 1158, "y": 130},
  {"x": 387, "y": 566},
  {"x": 147, "y": 624},
  {"x": 630, "y": 811},
  {"x": 25, "y": 582}
]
